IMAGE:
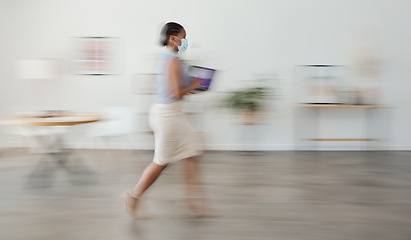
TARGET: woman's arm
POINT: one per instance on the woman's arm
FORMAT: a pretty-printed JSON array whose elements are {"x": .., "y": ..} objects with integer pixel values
[{"x": 175, "y": 75}]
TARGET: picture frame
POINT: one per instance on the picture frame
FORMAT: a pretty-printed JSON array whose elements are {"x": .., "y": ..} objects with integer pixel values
[{"x": 96, "y": 56}]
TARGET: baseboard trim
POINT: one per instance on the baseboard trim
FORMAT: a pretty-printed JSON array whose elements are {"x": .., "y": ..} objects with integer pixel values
[{"x": 217, "y": 147}]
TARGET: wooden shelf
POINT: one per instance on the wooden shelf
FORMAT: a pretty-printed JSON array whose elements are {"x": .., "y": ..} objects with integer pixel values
[
  {"x": 343, "y": 139},
  {"x": 312, "y": 105}
]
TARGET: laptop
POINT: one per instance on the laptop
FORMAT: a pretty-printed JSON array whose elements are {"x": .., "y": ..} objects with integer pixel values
[{"x": 202, "y": 73}]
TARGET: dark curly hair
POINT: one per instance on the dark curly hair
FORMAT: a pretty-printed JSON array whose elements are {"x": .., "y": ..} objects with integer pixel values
[{"x": 169, "y": 29}]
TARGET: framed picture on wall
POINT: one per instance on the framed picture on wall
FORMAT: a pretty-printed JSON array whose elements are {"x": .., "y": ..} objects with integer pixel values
[
  {"x": 322, "y": 84},
  {"x": 96, "y": 56}
]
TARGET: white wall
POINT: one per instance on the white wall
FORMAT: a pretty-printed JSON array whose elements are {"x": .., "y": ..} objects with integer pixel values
[{"x": 238, "y": 37}]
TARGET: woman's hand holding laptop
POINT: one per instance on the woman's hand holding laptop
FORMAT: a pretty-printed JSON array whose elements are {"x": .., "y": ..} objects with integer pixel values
[
  {"x": 197, "y": 81},
  {"x": 201, "y": 76}
]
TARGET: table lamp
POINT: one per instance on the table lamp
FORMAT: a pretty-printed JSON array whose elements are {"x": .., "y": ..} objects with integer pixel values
[{"x": 42, "y": 70}]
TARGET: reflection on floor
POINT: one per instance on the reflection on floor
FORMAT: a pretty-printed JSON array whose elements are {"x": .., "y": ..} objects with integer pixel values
[{"x": 269, "y": 195}]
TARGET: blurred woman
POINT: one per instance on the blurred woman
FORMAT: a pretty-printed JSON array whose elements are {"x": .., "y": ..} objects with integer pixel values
[{"x": 175, "y": 138}]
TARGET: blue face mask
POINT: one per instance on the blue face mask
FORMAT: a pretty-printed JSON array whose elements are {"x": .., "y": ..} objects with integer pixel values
[{"x": 184, "y": 45}]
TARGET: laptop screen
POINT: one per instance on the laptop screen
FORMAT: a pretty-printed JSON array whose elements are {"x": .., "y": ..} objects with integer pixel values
[{"x": 205, "y": 74}]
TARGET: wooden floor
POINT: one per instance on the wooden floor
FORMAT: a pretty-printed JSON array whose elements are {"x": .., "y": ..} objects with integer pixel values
[{"x": 268, "y": 195}]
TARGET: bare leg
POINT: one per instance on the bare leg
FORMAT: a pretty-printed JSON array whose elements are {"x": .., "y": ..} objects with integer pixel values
[
  {"x": 194, "y": 188},
  {"x": 148, "y": 177},
  {"x": 192, "y": 178}
]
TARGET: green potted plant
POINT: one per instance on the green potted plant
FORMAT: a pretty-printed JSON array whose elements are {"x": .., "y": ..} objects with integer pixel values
[{"x": 248, "y": 103}]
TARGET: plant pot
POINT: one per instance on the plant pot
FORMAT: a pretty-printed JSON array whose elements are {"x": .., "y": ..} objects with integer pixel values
[{"x": 249, "y": 118}]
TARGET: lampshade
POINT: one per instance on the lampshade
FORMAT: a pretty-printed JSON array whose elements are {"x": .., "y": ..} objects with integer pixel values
[{"x": 39, "y": 68}]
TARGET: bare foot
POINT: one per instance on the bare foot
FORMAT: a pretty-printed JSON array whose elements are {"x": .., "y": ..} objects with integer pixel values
[{"x": 132, "y": 203}]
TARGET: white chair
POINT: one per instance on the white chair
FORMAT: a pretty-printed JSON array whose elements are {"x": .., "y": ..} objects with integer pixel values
[{"x": 119, "y": 123}]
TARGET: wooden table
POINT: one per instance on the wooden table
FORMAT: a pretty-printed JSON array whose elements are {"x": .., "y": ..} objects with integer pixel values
[
  {"x": 53, "y": 119},
  {"x": 56, "y": 149}
]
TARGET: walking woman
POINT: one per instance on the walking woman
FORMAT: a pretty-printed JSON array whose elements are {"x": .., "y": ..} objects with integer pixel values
[{"x": 175, "y": 138}]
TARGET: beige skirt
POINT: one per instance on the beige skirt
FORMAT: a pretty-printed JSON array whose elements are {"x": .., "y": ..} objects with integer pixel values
[{"x": 175, "y": 138}]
